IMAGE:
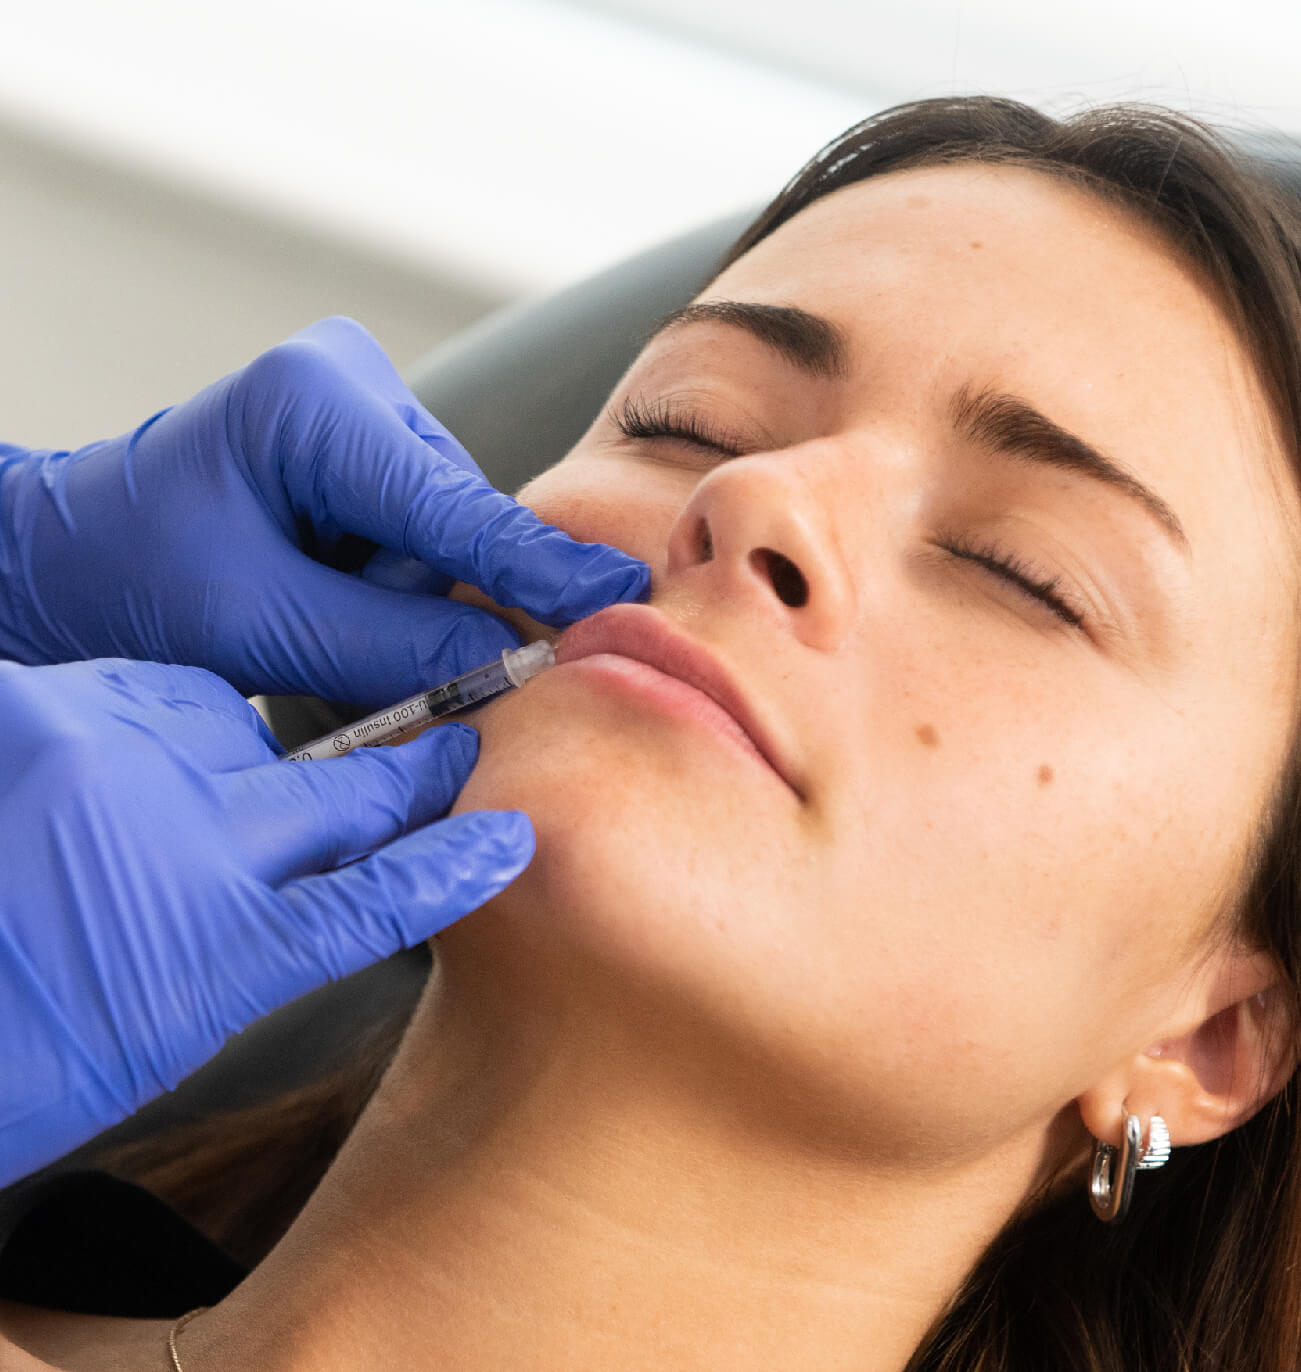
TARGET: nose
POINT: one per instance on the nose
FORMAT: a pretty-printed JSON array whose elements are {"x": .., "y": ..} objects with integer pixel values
[{"x": 762, "y": 528}]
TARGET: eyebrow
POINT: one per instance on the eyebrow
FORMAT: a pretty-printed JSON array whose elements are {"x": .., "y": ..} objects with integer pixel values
[
  {"x": 1009, "y": 425},
  {"x": 812, "y": 343},
  {"x": 998, "y": 421}
]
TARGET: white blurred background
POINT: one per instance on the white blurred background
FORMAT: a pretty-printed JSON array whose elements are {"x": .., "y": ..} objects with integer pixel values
[{"x": 184, "y": 182}]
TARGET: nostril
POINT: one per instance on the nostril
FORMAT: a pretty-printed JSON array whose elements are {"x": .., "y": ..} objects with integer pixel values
[
  {"x": 787, "y": 579},
  {"x": 705, "y": 542}
]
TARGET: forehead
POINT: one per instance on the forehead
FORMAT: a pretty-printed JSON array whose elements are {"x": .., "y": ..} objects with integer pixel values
[{"x": 974, "y": 273}]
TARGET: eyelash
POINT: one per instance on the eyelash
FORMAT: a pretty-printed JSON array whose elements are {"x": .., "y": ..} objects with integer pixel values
[
  {"x": 637, "y": 419},
  {"x": 1017, "y": 572}
]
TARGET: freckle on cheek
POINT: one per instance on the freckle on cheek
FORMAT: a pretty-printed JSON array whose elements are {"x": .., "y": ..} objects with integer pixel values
[
  {"x": 1045, "y": 774},
  {"x": 926, "y": 735},
  {"x": 977, "y": 244}
]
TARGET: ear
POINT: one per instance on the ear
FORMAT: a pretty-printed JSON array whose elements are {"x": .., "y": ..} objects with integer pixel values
[{"x": 1228, "y": 1050}]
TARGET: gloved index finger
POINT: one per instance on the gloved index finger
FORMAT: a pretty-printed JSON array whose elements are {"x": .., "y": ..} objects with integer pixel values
[
  {"x": 349, "y": 344},
  {"x": 462, "y": 525},
  {"x": 346, "y": 457}
]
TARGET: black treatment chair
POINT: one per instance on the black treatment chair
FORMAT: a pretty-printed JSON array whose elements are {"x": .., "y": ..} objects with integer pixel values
[{"x": 518, "y": 389}]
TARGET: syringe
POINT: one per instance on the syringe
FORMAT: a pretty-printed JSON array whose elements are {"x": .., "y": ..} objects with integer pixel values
[{"x": 515, "y": 667}]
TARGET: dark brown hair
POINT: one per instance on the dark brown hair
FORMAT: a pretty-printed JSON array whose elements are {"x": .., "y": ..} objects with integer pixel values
[{"x": 1205, "y": 1272}]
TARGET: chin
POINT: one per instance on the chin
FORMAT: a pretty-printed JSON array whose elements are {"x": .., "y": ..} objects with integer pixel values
[
  {"x": 660, "y": 879},
  {"x": 631, "y": 812},
  {"x": 602, "y": 807}
]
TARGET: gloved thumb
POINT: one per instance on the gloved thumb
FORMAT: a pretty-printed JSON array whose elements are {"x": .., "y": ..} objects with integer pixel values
[
  {"x": 339, "y": 922},
  {"x": 299, "y": 819}
]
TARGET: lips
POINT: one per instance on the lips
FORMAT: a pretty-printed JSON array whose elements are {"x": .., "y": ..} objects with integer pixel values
[{"x": 646, "y": 635}]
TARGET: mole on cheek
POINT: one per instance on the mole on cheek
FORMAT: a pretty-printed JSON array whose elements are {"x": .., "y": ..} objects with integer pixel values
[
  {"x": 977, "y": 245},
  {"x": 1045, "y": 774},
  {"x": 926, "y": 735}
]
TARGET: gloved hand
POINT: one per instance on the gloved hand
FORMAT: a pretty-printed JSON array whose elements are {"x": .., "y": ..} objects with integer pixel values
[
  {"x": 167, "y": 881},
  {"x": 183, "y": 541}
]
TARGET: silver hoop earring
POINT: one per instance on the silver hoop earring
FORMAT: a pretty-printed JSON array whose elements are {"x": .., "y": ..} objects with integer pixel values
[
  {"x": 1111, "y": 1185},
  {"x": 1157, "y": 1152}
]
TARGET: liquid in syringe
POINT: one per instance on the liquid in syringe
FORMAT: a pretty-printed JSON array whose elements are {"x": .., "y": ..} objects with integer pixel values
[{"x": 514, "y": 668}]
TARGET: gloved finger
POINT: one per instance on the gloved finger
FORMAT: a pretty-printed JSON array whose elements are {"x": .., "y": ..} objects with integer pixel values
[
  {"x": 347, "y": 462},
  {"x": 332, "y": 635},
  {"x": 397, "y": 572},
  {"x": 217, "y": 740},
  {"x": 194, "y": 710},
  {"x": 359, "y": 356},
  {"x": 292, "y": 818},
  {"x": 332, "y": 925},
  {"x": 464, "y": 528},
  {"x": 491, "y": 541}
]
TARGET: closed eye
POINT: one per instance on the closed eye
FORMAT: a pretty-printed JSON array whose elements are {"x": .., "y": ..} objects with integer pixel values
[
  {"x": 1018, "y": 573},
  {"x": 637, "y": 418}
]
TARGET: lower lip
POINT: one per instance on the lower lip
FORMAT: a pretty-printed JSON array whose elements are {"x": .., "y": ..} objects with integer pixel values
[{"x": 670, "y": 695}]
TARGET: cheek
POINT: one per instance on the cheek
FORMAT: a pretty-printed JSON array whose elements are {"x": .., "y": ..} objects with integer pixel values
[
  {"x": 596, "y": 502},
  {"x": 1034, "y": 872},
  {"x": 630, "y": 504}
]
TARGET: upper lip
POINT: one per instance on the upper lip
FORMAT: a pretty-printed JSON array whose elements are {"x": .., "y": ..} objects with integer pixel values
[{"x": 646, "y": 635}]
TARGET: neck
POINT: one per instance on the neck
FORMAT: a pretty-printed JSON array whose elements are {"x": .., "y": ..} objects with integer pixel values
[{"x": 549, "y": 1186}]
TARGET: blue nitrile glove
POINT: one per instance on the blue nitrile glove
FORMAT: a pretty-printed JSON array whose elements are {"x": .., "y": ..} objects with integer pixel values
[
  {"x": 167, "y": 881},
  {"x": 184, "y": 541}
]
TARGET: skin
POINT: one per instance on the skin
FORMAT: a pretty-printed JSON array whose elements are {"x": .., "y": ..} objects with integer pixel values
[{"x": 742, "y": 1074}]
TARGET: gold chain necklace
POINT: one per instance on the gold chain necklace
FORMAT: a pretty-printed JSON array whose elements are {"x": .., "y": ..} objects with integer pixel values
[{"x": 175, "y": 1330}]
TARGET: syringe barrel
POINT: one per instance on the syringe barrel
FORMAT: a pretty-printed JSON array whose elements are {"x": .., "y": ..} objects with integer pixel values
[
  {"x": 513, "y": 668},
  {"x": 375, "y": 728},
  {"x": 465, "y": 690}
]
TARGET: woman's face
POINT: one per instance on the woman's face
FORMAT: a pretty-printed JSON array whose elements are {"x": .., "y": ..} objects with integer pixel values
[{"x": 977, "y": 875}]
